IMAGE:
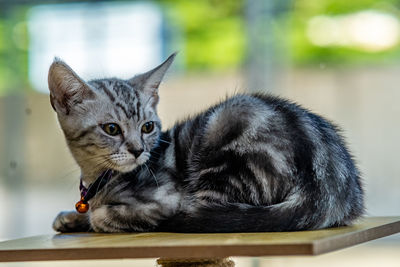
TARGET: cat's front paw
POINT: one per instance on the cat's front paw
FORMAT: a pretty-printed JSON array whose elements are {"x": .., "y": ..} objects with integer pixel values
[{"x": 71, "y": 221}]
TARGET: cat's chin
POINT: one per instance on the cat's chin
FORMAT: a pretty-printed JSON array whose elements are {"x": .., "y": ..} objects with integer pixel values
[
  {"x": 126, "y": 168},
  {"x": 129, "y": 165}
]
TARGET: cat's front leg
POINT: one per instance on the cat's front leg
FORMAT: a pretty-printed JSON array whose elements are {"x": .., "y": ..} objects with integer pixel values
[
  {"x": 71, "y": 221},
  {"x": 125, "y": 218}
]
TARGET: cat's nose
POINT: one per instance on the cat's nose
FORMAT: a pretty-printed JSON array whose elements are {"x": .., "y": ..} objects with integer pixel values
[{"x": 135, "y": 152}]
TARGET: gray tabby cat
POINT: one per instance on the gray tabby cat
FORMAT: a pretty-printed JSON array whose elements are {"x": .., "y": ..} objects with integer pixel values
[{"x": 250, "y": 163}]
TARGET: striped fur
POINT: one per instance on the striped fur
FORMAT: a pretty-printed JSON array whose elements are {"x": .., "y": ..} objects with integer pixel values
[{"x": 250, "y": 163}]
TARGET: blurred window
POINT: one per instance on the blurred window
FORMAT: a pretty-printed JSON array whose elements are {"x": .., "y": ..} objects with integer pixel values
[{"x": 117, "y": 39}]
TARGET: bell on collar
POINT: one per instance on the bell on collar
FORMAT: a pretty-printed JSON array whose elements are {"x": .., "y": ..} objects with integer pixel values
[{"x": 82, "y": 206}]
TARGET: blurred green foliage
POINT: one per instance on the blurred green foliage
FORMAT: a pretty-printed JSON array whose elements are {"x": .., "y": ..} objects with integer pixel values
[
  {"x": 13, "y": 49},
  {"x": 213, "y": 31},
  {"x": 305, "y": 53}
]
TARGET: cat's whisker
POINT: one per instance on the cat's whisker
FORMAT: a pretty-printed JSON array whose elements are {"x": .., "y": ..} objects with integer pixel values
[
  {"x": 100, "y": 156},
  {"x": 150, "y": 160},
  {"x": 69, "y": 172},
  {"x": 164, "y": 141},
  {"x": 105, "y": 164},
  {"x": 91, "y": 185},
  {"x": 156, "y": 153},
  {"x": 101, "y": 180},
  {"x": 155, "y": 178},
  {"x": 76, "y": 167}
]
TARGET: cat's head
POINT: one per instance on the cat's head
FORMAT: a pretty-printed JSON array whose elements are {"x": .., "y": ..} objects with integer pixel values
[{"x": 108, "y": 123}]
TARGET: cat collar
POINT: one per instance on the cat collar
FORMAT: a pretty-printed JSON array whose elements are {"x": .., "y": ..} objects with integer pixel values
[{"x": 82, "y": 206}]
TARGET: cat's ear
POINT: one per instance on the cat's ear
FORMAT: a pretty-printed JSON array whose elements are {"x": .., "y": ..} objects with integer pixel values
[
  {"x": 150, "y": 81},
  {"x": 66, "y": 87}
]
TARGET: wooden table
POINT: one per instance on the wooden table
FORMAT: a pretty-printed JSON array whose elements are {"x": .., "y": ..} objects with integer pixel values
[{"x": 171, "y": 245}]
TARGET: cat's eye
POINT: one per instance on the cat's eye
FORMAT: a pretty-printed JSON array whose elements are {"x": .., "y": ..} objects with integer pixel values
[
  {"x": 111, "y": 128},
  {"x": 148, "y": 127}
]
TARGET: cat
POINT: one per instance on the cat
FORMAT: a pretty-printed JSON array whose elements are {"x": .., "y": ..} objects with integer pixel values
[{"x": 251, "y": 163}]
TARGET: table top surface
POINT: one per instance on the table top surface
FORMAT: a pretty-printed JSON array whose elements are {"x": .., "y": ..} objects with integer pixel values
[{"x": 76, "y": 246}]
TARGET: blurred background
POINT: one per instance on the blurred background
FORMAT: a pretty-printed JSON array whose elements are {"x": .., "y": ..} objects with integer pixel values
[{"x": 338, "y": 58}]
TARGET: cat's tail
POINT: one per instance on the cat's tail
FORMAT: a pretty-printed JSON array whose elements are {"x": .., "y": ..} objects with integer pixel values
[{"x": 245, "y": 218}]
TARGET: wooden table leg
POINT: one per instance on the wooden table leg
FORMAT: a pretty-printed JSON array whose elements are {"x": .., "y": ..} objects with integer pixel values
[{"x": 218, "y": 262}]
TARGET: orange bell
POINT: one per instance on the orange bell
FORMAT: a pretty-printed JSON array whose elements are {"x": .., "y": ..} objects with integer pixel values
[{"x": 82, "y": 206}]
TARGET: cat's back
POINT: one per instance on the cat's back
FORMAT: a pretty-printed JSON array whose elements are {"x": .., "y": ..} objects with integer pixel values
[
  {"x": 230, "y": 122},
  {"x": 248, "y": 125},
  {"x": 242, "y": 148},
  {"x": 250, "y": 122}
]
